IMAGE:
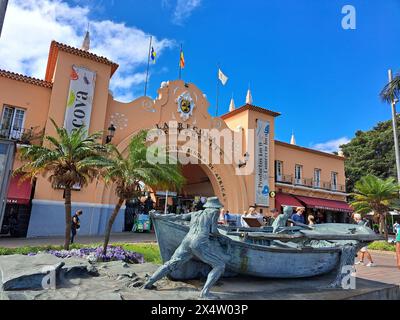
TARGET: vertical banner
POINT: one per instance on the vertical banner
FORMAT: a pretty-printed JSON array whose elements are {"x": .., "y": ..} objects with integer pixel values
[
  {"x": 3, "y": 8},
  {"x": 80, "y": 99},
  {"x": 262, "y": 163}
]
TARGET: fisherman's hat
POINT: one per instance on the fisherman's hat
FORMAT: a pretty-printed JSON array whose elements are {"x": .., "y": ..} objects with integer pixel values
[{"x": 213, "y": 202}]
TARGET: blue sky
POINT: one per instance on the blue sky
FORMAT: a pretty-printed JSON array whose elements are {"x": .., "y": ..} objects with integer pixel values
[{"x": 295, "y": 54}]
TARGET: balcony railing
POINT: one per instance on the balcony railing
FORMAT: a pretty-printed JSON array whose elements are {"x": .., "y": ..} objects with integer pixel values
[
  {"x": 20, "y": 135},
  {"x": 285, "y": 178},
  {"x": 310, "y": 183}
]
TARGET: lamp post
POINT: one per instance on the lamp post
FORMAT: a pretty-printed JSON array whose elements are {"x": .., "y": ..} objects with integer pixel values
[
  {"x": 395, "y": 134},
  {"x": 111, "y": 133}
]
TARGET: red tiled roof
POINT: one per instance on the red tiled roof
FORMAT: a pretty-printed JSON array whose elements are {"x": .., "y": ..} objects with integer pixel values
[
  {"x": 250, "y": 107},
  {"x": 55, "y": 46},
  {"x": 26, "y": 79}
]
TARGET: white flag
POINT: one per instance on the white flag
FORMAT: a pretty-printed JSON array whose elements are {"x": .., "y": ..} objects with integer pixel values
[{"x": 222, "y": 77}]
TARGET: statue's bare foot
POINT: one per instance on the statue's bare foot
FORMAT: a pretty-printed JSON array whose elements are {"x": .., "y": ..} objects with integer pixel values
[
  {"x": 148, "y": 286},
  {"x": 208, "y": 296}
]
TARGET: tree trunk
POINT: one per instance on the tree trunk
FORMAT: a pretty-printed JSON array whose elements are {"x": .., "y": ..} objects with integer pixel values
[
  {"x": 383, "y": 226},
  {"x": 110, "y": 224},
  {"x": 67, "y": 217}
]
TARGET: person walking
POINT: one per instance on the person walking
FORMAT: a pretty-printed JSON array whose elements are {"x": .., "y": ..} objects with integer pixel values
[
  {"x": 364, "y": 250},
  {"x": 397, "y": 240},
  {"x": 76, "y": 224}
]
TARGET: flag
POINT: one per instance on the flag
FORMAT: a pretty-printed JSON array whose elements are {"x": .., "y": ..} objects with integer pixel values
[
  {"x": 182, "y": 60},
  {"x": 3, "y": 8},
  {"x": 222, "y": 77},
  {"x": 153, "y": 55}
]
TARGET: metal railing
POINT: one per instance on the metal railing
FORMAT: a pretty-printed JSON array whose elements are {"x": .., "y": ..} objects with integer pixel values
[
  {"x": 285, "y": 178},
  {"x": 20, "y": 135},
  {"x": 310, "y": 183}
]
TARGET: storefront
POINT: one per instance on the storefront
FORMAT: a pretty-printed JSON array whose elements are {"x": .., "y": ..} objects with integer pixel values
[
  {"x": 6, "y": 162},
  {"x": 261, "y": 166}
]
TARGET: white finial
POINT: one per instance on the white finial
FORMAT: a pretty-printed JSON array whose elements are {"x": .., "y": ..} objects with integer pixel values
[
  {"x": 86, "y": 41},
  {"x": 293, "y": 139},
  {"x": 232, "y": 105},
  {"x": 249, "y": 97}
]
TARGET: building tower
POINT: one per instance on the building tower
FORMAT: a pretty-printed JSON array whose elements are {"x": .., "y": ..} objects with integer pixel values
[
  {"x": 86, "y": 41},
  {"x": 249, "y": 97},
  {"x": 232, "y": 105},
  {"x": 293, "y": 139}
]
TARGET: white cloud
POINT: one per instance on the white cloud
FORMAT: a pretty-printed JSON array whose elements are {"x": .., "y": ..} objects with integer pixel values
[
  {"x": 331, "y": 145},
  {"x": 183, "y": 9},
  {"x": 31, "y": 25}
]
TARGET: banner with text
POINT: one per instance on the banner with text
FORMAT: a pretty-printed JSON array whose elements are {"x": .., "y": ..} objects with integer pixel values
[
  {"x": 80, "y": 99},
  {"x": 262, "y": 163}
]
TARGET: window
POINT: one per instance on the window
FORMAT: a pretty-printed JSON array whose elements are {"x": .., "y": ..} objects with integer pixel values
[
  {"x": 334, "y": 180},
  {"x": 278, "y": 170},
  {"x": 298, "y": 174},
  {"x": 317, "y": 178},
  {"x": 12, "y": 123}
]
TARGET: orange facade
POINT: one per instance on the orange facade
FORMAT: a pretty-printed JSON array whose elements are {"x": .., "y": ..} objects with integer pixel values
[{"x": 41, "y": 100}]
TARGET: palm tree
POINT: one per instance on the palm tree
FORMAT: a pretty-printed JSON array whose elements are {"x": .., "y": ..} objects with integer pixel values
[
  {"x": 128, "y": 173},
  {"x": 391, "y": 91},
  {"x": 70, "y": 159},
  {"x": 377, "y": 195}
]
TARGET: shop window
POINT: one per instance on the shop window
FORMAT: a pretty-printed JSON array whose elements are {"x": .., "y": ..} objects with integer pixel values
[
  {"x": 298, "y": 174},
  {"x": 12, "y": 123},
  {"x": 317, "y": 178}
]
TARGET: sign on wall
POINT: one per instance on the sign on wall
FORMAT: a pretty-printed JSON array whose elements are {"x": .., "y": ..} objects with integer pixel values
[
  {"x": 262, "y": 163},
  {"x": 80, "y": 98}
]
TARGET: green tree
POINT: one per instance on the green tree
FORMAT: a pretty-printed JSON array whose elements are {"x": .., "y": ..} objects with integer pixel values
[
  {"x": 128, "y": 172},
  {"x": 377, "y": 195},
  {"x": 70, "y": 159},
  {"x": 370, "y": 152}
]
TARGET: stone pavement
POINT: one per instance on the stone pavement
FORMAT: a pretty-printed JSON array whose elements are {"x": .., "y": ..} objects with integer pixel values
[
  {"x": 385, "y": 270},
  {"x": 125, "y": 237}
]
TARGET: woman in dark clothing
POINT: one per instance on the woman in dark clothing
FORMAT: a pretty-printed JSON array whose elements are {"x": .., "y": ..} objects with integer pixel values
[{"x": 76, "y": 224}]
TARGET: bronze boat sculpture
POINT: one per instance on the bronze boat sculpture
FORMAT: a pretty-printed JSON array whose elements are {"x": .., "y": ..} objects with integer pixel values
[{"x": 294, "y": 252}]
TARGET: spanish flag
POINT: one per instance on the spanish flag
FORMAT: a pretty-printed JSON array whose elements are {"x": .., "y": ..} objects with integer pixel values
[
  {"x": 153, "y": 55},
  {"x": 182, "y": 60}
]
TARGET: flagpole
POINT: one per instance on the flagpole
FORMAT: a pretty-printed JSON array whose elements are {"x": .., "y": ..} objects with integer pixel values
[
  {"x": 3, "y": 9},
  {"x": 148, "y": 67},
  {"x": 180, "y": 67}
]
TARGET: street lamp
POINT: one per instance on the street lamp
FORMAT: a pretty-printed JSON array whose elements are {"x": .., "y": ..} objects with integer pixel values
[
  {"x": 111, "y": 133},
  {"x": 246, "y": 159}
]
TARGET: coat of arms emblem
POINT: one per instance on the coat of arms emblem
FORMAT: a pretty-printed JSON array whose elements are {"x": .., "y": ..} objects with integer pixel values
[{"x": 185, "y": 105}]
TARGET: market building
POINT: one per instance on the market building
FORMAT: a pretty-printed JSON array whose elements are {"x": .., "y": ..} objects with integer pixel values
[{"x": 75, "y": 89}]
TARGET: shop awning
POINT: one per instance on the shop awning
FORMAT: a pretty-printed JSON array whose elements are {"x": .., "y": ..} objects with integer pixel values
[
  {"x": 284, "y": 199},
  {"x": 325, "y": 204},
  {"x": 19, "y": 192}
]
